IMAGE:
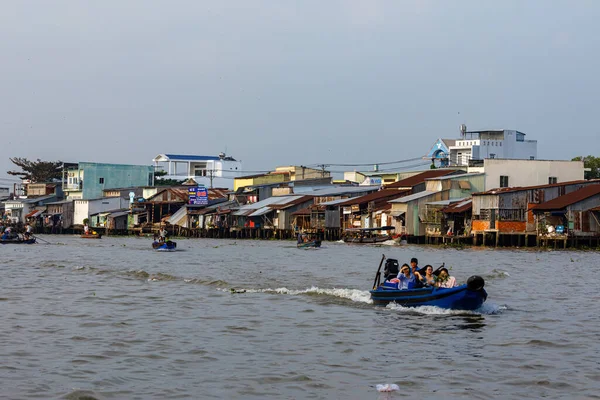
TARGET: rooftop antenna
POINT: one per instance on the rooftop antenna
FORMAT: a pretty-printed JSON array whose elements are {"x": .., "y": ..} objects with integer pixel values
[{"x": 463, "y": 131}]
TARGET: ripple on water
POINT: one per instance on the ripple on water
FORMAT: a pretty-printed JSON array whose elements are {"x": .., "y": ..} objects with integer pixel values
[{"x": 299, "y": 325}]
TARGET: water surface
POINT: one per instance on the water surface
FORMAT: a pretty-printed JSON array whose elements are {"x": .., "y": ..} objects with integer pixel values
[{"x": 113, "y": 319}]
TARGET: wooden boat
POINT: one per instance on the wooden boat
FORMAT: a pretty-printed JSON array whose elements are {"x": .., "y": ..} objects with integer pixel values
[
  {"x": 312, "y": 243},
  {"x": 367, "y": 235},
  {"x": 91, "y": 236},
  {"x": 169, "y": 245},
  {"x": 18, "y": 240},
  {"x": 469, "y": 296}
]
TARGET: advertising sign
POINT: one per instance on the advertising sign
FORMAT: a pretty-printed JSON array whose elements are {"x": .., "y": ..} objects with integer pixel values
[
  {"x": 372, "y": 181},
  {"x": 198, "y": 195}
]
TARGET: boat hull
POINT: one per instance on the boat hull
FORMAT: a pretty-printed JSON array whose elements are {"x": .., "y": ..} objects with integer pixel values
[
  {"x": 314, "y": 243},
  {"x": 164, "y": 246},
  {"x": 457, "y": 298},
  {"x": 90, "y": 236},
  {"x": 18, "y": 241},
  {"x": 366, "y": 240}
]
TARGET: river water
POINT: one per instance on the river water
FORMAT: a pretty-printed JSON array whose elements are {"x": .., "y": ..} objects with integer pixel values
[{"x": 113, "y": 319}]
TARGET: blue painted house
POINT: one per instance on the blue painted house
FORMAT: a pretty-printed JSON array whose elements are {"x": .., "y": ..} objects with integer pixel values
[{"x": 88, "y": 180}]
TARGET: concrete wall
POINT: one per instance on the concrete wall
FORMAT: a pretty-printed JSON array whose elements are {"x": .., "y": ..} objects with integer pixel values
[
  {"x": 259, "y": 180},
  {"x": 114, "y": 176},
  {"x": 530, "y": 172},
  {"x": 84, "y": 208}
]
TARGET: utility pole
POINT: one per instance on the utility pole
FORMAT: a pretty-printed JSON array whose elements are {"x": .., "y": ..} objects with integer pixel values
[
  {"x": 211, "y": 173},
  {"x": 323, "y": 170}
]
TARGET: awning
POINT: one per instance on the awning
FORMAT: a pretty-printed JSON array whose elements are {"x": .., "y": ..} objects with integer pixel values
[
  {"x": 261, "y": 211},
  {"x": 243, "y": 213},
  {"x": 34, "y": 214},
  {"x": 119, "y": 214},
  {"x": 464, "y": 185},
  {"x": 397, "y": 213}
]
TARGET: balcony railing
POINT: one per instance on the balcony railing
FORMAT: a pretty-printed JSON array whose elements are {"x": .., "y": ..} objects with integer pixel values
[{"x": 73, "y": 186}]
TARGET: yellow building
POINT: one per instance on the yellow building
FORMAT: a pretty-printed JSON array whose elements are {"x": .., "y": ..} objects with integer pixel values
[
  {"x": 299, "y": 173},
  {"x": 281, "y": 174},
  {"x": 262, "y": 179}
]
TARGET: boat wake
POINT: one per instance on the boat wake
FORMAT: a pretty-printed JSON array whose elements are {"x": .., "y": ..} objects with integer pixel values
[
  {"x": 496, "y": 274},
  {"x": 359, "y": 296},
  {"x": 485, "y": 309}
]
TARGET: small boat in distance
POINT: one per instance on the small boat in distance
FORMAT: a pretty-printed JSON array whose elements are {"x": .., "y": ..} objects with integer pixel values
[
  {"x": 368, "y": 235},
  {"x": 169, "y": 245},
  {"x": 312, "y": 243},
  {"x": 92, "y": 235},
  {"x": 469, "y": 296},
  {"x": 18, "y": 240},
  {"x": 307, "y": 240}
]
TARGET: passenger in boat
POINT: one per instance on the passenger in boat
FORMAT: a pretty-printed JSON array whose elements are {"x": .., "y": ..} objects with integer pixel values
[
  {"x": 429, "y": 278},
  {"x": 163, "y": 235},
  {"x": 407, "y": 279},
  {"x": 28, "y": 232},
  {"x": 444, "y": 280},
  {"x": 300, "y": 238},
  {"x": 7, "y": 234},
  {"x": 86, "y": 229},
  {"x": 414, "y": 265}
]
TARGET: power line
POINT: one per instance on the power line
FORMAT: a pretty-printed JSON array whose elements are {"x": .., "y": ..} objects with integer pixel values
[{"x": 368, "y": 164}]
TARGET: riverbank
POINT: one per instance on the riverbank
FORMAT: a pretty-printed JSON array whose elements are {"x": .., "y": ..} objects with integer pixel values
[{"x": 475, "y": 241}]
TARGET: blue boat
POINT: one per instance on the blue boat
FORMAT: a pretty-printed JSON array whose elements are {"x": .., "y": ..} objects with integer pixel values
[
  {"x": 313, "y": 243},
  {"x": 469, "y": 296},
  {"x": 18, "y": 241},
  {"x": 169, "y": 245}
]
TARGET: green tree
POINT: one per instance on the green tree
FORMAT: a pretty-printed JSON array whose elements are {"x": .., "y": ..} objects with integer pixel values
[
  {"x": 591, "y": 162},
  {"x": 37, "y": 171},
  {"x": 159, "y": 181}
]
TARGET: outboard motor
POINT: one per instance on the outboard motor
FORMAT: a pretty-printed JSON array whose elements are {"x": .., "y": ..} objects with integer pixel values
[
  {"x": 392, "y": 268},
  {"x": 475, "y": 283}
]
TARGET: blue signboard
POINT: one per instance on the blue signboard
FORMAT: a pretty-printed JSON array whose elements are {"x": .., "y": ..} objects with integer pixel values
[{"x": 198, "y": 195}]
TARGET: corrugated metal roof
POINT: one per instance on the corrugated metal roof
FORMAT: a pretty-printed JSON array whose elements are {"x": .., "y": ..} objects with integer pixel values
[
  {"x": 459, "y": 207},
  {"x": 261, "y": 211},
  {"x": 119, "y": 214},
  {"x": 440, "y": 202},
  {"x": 59, "y": 202},
  {"x": 420, "y": 178},
  {"x": 302, "y": 211},
  {"x": 333, "y": 202},
  {"x": 568, "y": 199},
  {"x": 31, "y": 200},
  {"x": 415, "y": 196},
  {"x": 292, "y": 203},
  {"x": 267, "y": 202},
  {"x": 457, "y": 176},
  {"x": 381, "y": 194},
  {"x": 243, "y": 213},
  {"x": 520, "y": 188},
  {"x": 342, "y": 190}
]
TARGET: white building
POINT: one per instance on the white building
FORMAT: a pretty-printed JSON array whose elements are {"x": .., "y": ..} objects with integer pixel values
[
  {"x": 210, "y": 171},
  {"x": 480, "y": 145},
  {"x": 83, "y": 208},
  {"x": 520, "y": 173}
]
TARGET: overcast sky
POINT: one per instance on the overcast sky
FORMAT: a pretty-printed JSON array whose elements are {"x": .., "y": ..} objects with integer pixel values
[{"x": 293, "y": 82}]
